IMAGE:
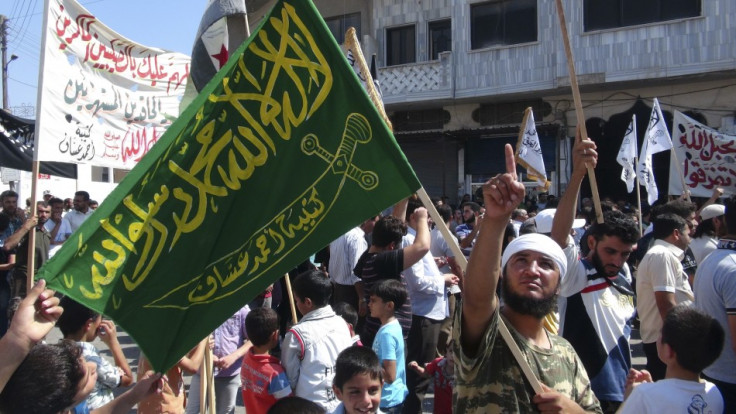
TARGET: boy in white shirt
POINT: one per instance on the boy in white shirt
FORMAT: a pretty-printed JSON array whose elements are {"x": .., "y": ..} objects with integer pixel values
[{"x": 690, "y": 341}]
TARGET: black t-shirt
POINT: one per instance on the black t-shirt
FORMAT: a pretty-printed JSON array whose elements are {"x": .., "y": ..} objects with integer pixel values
[{"x": 373, "y": 268}]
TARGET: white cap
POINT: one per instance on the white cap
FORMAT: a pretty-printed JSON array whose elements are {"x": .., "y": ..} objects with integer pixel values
[
  {"x": 713, "y": 210},
  {"x": 545, "y": 217}
]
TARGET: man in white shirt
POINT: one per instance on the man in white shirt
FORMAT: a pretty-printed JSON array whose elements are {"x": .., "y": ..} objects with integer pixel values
[
  {"x": 56, "y": 226},
  {"x": 426, "y": 286},
  {"x": 81, "y": 211},
  {"x": 661, "y": 284}
]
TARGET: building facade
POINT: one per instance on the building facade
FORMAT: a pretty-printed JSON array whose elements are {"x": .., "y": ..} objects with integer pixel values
[{"x": 456, "y": 76}]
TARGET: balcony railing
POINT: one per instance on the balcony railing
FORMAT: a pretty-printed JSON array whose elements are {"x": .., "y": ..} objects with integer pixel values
[{"x": 418, "y": 81}]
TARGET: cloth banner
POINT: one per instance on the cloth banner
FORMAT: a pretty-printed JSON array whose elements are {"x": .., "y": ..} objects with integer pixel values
[
  {"x": 280, "y": 154},
  {"x": 105, "y": 100},
  {"x": 529, "y": 150},
  {"x": 656, "y": 139},
  {"x": 627, "y": 156},
  {"x": 709, "y": 158}
]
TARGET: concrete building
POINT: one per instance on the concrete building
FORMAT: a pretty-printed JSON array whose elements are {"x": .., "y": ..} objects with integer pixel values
[{"x": 457, "y": 75}]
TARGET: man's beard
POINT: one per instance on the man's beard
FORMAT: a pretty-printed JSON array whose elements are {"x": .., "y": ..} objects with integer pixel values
[
  {"x": 538, "y": 308},
  {"x": 471, "y": 220},
  {"x": 599, "y": 265}
]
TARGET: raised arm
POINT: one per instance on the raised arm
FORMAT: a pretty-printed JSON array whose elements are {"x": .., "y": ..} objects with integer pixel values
[
  {"x": 415, "y": 251},
  {"x": 501, "y": 195},
  {"x": 583, "y": 155}
]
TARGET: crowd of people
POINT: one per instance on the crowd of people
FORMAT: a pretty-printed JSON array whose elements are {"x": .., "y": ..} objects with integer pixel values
[{"x": 536, "y": 316}]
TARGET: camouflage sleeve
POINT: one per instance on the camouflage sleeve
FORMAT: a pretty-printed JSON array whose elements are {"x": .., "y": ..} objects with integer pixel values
[
  {"x": 468, "y": 368},
  {"x": 586, "y": 399}
]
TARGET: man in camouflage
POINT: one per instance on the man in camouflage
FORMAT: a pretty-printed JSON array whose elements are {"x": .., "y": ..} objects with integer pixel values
[{"x": 488, "y": 377}]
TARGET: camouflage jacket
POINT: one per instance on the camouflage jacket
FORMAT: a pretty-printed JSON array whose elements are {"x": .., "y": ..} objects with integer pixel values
[{"x": 492, "y": 381}]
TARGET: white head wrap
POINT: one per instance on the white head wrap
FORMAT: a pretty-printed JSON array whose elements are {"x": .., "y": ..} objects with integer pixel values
[{"x": 537, "y": 243}]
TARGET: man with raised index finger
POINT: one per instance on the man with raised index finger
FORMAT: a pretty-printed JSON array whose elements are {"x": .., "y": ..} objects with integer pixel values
[{"x": 489, "y": 379}]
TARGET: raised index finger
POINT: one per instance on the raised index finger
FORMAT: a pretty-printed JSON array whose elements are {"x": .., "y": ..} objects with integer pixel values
[{"x": 510, "y": 161}]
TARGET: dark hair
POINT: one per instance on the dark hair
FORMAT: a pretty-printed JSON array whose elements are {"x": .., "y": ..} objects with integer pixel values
[
  {"x": 473, "y": 206},
  {"x": 42, "y": 203},
  {"x": 293, "y": 405},
  {"x": 84, "y": 195},
  {"x": 347, "y": 312},
  {"x": 74, "y": 317},
  {"x": 390, "y": 290},
  {"x": 665, "y": 224},
  {"x": 705, "y": 228},
  {"x": 315, "y": 285},
  {"x": 356, "y": 360},
  {"x": 260, "y": 324},
  {"x": 93, "y": 202},
  {"x": 445, "y": 212},
  {"x": 55, "y": 200},
  {"x": 509, "y": 233},
  {"x": 46, "y": 381},
  {"x": 411, "y": 206},
  {"x": 616, "y": 224},
  {"x": 518, "y": 212},
  {"x": 388, "y": 229},
  {"x": 8, "y": 193},
  {"x": 730, "y": 215},
  {"x": 679, "y": 207},
  {"x": 696, "y": 337}
]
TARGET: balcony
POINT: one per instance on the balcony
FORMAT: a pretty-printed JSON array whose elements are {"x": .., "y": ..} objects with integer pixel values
[{"x": 417, "y": 82}]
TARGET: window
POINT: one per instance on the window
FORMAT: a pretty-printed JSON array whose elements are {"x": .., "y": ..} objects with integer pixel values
[
  {"x": 100, "y": 174},
  {"x": 340, "y": 24},
  {"x": 400, "y": 45},
  {"x": 118, "y": 174},
  {"x": 607, "y": 14},
  {"x": 503, "y": 22},
  {"x": 440, "y": 38}
]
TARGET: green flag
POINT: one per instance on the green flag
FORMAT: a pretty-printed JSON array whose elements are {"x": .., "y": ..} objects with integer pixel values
[{"x": 280, "y": 154}]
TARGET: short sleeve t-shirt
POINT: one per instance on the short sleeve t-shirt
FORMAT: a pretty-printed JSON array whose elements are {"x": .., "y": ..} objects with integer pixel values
[
  {"x": 442, "y": 385},
  {"x": 389, "y": 345},
  {"x": 264, "y": 381},
  {"x": 373, "y": 268}
]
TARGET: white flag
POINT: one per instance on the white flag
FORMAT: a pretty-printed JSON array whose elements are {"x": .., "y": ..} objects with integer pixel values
[
  {"x": 529, "y": 151},
  {"x": 627, "y": 156},
  {"x": 656, "y": 139}
]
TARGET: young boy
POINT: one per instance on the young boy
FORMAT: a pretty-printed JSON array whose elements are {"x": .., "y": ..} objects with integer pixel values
[
  {"x": 83, "y": 325},
  {"x": 36, "y": 377},
  {"x": 263, "y": 379},
  {"x": 689, "y": 342},
  {"x": 442, "y": 369},
  {"x": 310, "y": 348},
  {"x": 358, "y": 381},
  {"x": 347, "y": 312},
  {"x": 386, "y": 297}
]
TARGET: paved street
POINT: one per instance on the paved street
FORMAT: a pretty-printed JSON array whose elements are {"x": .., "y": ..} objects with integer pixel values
[{"x": 131, "y": 353}]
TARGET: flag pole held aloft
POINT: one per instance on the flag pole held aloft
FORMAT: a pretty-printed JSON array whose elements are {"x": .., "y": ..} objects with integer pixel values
[{"x": 180, "y": 244}]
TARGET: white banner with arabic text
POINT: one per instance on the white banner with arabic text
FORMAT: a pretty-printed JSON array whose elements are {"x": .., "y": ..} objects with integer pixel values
[
  {"x": 105, "y": 100},
  {"x": 708, "y": 158}
]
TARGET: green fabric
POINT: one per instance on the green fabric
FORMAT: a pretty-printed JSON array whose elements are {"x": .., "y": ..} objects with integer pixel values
[{"x": 280, "y": 154}]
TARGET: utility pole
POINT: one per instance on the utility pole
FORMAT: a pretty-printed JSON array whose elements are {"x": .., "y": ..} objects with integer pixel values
[{"x": 4, "y": 48}]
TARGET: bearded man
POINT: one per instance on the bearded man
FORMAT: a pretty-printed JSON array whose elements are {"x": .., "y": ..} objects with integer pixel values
[
  {"x": 488, "y": 378},
  {"x": 596, "y": 302}
]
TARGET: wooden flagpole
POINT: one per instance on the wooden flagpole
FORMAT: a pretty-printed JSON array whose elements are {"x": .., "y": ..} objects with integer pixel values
[
  {"x": 451, "y": 240},
  {"x": 30, "y": 270},
  {"x": 578, "y": 107},
  {"x": 287, "y": 279},
  {"x": 203, "y": 375}
]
